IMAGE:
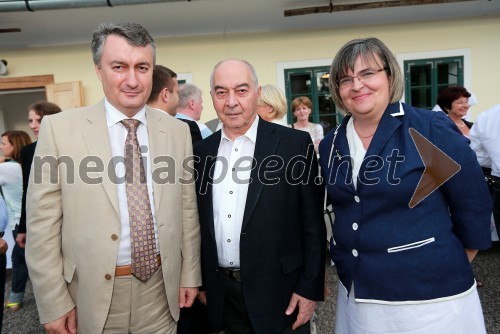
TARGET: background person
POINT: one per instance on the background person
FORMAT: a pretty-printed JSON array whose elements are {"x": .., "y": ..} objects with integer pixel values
[
  {"x": 272, "y": 104},
  {"x": 401, "y": 269},
  {"x": 36, "y": 112},
  {"x": 89, "y": 269},
  {"x": 454, "y": 101},
  {"x": 302, "y": 108},
  {"x": 190, "y": 107},
  {"x": 11, "y": 181},
  {"x": 4, "y": 222},
  {"x": 164, "y": 96},
  {"x": 485, "y": 141}
]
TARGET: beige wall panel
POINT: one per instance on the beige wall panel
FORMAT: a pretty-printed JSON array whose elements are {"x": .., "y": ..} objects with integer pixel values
[{"x": 198, "y": 55}]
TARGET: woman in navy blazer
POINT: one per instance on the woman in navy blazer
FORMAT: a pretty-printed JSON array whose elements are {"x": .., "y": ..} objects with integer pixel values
[{"x": 402, "y": 255}]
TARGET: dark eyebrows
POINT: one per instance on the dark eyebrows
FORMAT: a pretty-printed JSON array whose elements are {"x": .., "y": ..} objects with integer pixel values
[{"x": 243, "y": 85}]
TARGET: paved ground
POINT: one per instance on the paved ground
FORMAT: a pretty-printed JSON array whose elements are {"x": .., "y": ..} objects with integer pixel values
[{"x": 486, "y": 267}]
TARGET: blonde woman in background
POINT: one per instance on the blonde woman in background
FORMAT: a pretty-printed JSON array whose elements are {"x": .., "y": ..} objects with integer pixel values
[
  {"x": 272, "y": 104},
  {"x": 302, "y": 108}
]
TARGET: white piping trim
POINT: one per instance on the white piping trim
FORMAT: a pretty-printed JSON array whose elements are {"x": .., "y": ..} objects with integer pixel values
[
  {"x": 412, "y": 302},
  {"x": 401, "y": 111},
  {"x": 416, "y": 244}
]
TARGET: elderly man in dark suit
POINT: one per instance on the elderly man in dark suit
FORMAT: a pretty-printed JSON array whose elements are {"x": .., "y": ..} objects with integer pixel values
[{"x": 262, "y": 229}]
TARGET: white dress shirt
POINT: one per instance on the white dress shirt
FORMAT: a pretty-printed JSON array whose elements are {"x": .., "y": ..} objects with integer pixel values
[
  {"x": 117, "y": 136},
  {"x": 230, "y": 188},
  {"x": 485, "y": 139}
]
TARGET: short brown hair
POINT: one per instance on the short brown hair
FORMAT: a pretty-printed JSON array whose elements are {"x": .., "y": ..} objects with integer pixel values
[
  {"x": 44, "y": 108},
  {"x": 162, "y": 77},
  {"x": 18, "y": 139}
]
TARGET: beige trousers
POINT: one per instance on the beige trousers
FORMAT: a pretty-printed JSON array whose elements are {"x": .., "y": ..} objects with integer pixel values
[{"x": 139, "y": 307}]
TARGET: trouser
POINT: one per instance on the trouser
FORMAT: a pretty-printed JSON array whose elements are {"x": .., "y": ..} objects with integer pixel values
[
  {"x": 496, "y": 202},
  {"x": 139, "y": 307},
  {"x": 236, "y": 320},
  {"x": 19, "y": 273},
  {"x": 3, "y": 265}
]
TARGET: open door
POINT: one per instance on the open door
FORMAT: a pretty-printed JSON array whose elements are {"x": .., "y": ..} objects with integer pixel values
[{"x": 66, "y": 95}]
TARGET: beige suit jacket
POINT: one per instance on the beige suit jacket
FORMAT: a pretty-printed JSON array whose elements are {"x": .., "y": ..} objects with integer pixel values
[{"x": 73, "y": 220}]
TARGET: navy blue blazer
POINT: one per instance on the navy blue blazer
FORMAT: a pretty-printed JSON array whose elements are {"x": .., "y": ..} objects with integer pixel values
[
  {"x": 393, "y": 253},
  {"x": 283, "y": 237}
]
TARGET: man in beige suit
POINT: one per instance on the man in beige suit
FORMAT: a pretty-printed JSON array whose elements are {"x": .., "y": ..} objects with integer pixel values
[{"x": 80, "y": 249}]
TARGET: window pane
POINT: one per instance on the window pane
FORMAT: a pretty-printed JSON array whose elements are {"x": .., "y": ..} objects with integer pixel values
[
  {"x": 448, "y": 73},
  {"x": 300, "y": 83},
  {"x": 422, "y": 98},
  {"x": 420, "y": 75},
  {"x": 322, "y": 79},
  {"x": 328, "y": 122}
]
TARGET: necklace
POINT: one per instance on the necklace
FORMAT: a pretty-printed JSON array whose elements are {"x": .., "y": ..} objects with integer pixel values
[
  {"x": 360, "y": 136},
  {"x": 460, "y": 125}
]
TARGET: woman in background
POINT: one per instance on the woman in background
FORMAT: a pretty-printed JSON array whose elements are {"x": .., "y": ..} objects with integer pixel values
[
  {"x": 11, "y": 181},
  {"x": 272, "y": 104},
  {"x": 302, "y": 108},
  {"x": 36, "y": 112},
  {"x": 454, "y": 101},
  {"x": 403, "y": 261}
]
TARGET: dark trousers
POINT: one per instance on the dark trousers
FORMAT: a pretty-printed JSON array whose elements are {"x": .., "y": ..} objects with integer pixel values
[
  {"x": 193, "y": 320},
  {"x": 19, "y": 268},
  {"x": 3, "y": 270},
  {"x": 236, "y": 320},
  {"x": 496, "y": 202}
]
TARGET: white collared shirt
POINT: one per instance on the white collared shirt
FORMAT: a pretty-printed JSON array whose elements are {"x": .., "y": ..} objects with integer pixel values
[
  {"x": 230, "y": 188},
  {"x": 485, "y": 139},
  {"x": 117, "y": 137}
]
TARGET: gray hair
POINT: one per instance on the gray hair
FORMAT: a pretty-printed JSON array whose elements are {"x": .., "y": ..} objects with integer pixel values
[
  {"x": 250, "y": 67},
  {"x": 134, "y": 33},
  {"x": 367, "y": 48},
  {"x": 186, "y": 93}
]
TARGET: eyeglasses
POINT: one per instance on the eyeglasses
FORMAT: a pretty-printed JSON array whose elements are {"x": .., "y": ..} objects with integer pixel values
[{"x": 362, "y": 76}]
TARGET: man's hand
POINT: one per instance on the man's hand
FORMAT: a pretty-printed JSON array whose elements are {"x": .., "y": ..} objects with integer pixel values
[
  {"x": 306, "y": 310},
  {"x": 63, "y": 325},
  {"x": 21, "y": 240},
  {"x": 202, "y": 297},
  {"x": 187, "y": 296},
  {"x": 3, "y": 246}
]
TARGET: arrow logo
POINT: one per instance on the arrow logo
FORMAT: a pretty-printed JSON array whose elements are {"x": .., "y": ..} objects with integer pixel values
[{"x": 439, "y": 168}]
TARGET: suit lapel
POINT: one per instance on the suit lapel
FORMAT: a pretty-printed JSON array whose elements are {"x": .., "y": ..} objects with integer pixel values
[
  {"x": 96, "y": 137},
  {"x": 265, "y": 146},
  {"x": 208, "y": 174},
  {"x": 386, "y": 128},
  {"x": 159, "y": 145}
]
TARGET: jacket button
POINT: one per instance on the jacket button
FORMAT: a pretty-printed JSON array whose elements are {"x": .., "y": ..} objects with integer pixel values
[
  {"x": 114, "y": 237},
  {"x": 107, "y": 277},
  {"x": 355, "y": 226},
  {"x": 356, "y": 198},
  {"x": 355, "y": 253}
]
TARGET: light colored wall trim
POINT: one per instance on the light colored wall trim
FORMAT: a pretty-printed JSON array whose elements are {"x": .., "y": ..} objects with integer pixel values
[
  {"x": 466, "y": 53},
  {"x": 282, "y": 66},
  {"x": 185, "y": 76}
]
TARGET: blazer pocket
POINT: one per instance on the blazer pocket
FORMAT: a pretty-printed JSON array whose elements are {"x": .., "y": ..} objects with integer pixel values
[
  {"x": 68, "y": 270},
  {"x": 291, "y": 262},
  {"x": 410, "y": 246}
]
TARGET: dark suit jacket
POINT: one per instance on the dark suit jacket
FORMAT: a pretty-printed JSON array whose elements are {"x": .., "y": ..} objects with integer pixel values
[
  {"x": 194, "y": 129},
  {"x": 27, "y": 154},
  {"x": 282, "y": 245}
]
